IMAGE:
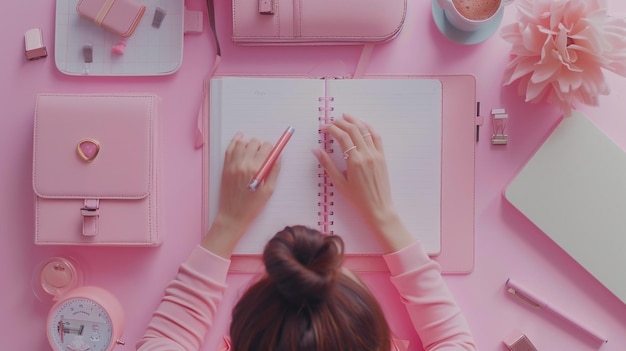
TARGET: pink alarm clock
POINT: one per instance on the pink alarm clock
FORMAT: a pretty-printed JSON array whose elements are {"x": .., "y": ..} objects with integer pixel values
[{"x": 83, "y": 318}]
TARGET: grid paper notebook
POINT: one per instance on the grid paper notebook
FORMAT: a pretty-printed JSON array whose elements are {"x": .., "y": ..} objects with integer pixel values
[
  {"x": 406, "y": 112},
  {"x": 149, "y": 50}
]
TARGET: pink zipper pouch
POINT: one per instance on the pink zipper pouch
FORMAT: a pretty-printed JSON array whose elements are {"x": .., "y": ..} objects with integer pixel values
[
  {"x": 118, "y": 16},
  {"x": 316, "y": 22}
]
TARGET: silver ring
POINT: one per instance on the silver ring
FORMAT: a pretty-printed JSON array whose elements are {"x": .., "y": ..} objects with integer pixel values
[
  {"x": 368, "y": 134},
  {"x": 345, "y": 153}
]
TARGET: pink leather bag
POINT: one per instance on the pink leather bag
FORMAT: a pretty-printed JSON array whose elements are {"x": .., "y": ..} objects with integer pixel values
[
  {"x": 318, "y": 22},
  {"x": 96, "y": 170}
]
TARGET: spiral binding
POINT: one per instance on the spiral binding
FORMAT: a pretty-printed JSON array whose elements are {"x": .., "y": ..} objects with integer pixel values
[{"x": 325, "y": 186}]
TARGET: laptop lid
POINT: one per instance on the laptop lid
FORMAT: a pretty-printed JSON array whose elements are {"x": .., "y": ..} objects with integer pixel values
[{"x": 574, "y": 189}]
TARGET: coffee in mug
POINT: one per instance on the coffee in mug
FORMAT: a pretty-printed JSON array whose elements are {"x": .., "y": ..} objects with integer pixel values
[{"x": 477, "y": 10}]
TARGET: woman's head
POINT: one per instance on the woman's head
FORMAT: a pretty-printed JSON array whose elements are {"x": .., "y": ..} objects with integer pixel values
[{"x": 305, "y": 302}]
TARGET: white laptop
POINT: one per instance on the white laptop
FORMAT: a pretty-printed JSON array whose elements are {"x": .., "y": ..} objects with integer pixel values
[{"x": 574, "y": 189}]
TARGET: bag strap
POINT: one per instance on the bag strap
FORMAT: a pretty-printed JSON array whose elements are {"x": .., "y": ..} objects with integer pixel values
[
  {"x": 204, "y": 106},
  {"x": 211, "y": 11}
]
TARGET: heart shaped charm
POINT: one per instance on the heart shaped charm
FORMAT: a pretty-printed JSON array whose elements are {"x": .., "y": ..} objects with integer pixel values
[{"x": 88, "y": 149}]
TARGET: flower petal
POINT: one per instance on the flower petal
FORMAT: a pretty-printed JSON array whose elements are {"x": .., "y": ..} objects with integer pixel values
[
  {"x": 535, "y": 89},
  {"x": 518, "y": 69}
]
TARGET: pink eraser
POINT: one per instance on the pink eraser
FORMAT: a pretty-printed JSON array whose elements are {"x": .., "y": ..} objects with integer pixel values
[
  {"x": 119, "y": 48},
  {"x": 33, "y": 44}
]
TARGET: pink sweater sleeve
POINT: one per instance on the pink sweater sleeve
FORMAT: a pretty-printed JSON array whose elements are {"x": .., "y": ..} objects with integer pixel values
[
  {"x": 435, "y": 315},
  {"x": 187, "y": 309}
]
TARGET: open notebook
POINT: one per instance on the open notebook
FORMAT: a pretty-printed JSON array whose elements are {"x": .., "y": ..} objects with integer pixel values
[
  {"x": 454, "y": 128},
  {"x": 406, "y": 112},
  {"x": 574, "y": 189}
]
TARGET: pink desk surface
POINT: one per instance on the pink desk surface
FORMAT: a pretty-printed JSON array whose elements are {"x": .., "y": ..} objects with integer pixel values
[{"x": 507, "y": 244}]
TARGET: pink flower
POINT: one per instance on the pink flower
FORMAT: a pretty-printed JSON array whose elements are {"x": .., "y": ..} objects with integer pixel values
[{"x": 559, "y": 49}]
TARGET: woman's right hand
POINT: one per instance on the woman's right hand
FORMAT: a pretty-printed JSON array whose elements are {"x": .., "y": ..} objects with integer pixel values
[
  {"x": 238, "y": 207},
  {"x": 366, "y": 180}
]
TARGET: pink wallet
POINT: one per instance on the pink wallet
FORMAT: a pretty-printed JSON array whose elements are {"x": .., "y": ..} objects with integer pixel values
[
  {"x": 119, "y": 16},
  {"x": 96, "y": 170}
]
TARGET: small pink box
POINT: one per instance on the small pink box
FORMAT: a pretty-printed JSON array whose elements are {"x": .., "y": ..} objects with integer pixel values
[
  {"x": 33, "y": 44},
  {"x": 119, "y": 16}
]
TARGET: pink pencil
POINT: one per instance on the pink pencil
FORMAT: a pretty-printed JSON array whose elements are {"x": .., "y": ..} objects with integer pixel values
[
  {"x": 538, "y": 302},
  {"x": 271, "y": 159}
]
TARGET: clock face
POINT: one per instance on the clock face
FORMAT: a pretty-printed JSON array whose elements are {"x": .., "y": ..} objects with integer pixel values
[{"x": 80, "y": 324}]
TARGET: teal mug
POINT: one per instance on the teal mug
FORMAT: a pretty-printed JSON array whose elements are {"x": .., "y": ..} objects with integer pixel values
[{"x": 471, "y": 15}]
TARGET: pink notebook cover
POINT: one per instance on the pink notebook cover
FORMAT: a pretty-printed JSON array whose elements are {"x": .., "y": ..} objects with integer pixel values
[{"x": 457, "y": 194}]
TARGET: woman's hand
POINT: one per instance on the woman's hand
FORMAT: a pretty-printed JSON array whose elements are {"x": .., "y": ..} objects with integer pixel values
[
  {"x": 238, "y": 206},
  {"x": 366, "y": 181}
]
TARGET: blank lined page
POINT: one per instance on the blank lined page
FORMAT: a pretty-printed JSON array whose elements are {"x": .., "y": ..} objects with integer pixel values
[
  {"x": 407, "y": 114},
  {"x": 263, "y": 108}
]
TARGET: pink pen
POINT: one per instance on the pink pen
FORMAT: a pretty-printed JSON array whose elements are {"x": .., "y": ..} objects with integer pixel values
[
  {"x": 267, "y": 165},
  {"x": 536, "y": 301}
]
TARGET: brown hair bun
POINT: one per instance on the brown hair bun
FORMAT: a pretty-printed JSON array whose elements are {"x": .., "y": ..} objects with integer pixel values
[{"x": 303, "y": 264}]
